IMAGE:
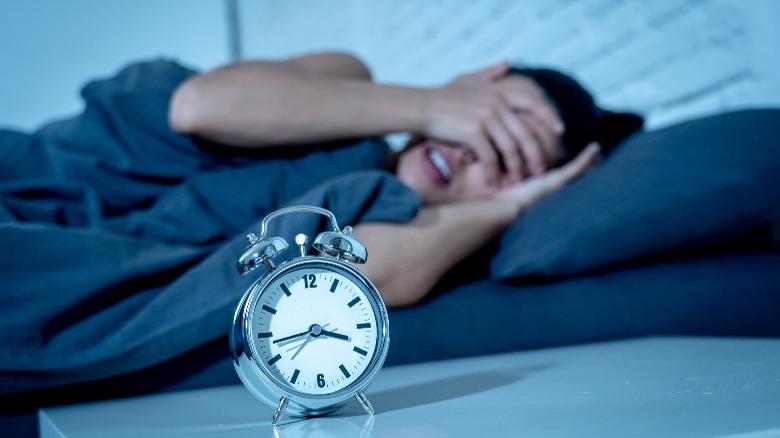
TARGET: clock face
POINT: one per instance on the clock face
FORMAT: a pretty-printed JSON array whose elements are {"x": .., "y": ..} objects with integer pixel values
[{"x": 315, "y": 328}]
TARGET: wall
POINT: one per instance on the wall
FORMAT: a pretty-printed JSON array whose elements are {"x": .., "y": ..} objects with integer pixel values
[
  {"x": 51, "y": 47},
  {"x": 670, "y": 59}
]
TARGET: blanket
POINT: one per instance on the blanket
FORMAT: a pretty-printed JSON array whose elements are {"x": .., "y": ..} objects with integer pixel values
[{"x": 120, "y": 238}]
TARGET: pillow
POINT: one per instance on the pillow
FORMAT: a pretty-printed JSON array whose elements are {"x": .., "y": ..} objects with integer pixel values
[{"x": 679, "y": 188}]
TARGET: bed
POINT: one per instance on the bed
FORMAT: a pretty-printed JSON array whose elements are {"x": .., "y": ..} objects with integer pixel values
[{"x": 114, "y": 289}]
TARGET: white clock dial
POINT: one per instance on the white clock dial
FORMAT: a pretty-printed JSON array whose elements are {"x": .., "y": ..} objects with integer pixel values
[{"x": 315, "y": 329}]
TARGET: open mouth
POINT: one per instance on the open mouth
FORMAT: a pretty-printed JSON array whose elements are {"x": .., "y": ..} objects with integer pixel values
[{"x": 440, "y": 164}]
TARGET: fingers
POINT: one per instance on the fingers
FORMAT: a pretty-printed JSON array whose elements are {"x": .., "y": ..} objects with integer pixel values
[
  {"x": 525, "y": 101},
  {"x": 528, "y": 147},
  {"x": 484, "y": 121},
  {"x": 585, "y": 160},
  {"x": 494, "y": 72},
  {"x": 501, "y": 139},
  {"x": 487, "y": 157},
  {"x": 486, "y": 75},
  {"x": 545, "y": 113},
  {"x": 549, "y": 149},
  {"x": 528, "y": 192},
  {"x": 523, "y": 144}
]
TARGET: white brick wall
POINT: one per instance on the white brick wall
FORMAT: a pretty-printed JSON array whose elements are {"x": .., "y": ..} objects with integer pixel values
[{"x": 670, "y": 59}]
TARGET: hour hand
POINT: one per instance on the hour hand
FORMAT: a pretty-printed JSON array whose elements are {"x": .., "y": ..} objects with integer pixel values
[{"x": 334, "y": 335}]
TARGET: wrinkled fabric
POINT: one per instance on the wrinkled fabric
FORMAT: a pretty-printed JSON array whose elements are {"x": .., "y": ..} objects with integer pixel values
[{"x": 119, "y": 238}]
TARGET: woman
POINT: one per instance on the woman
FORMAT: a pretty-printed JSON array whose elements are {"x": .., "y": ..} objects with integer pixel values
[
  {"x": 125, "y": 234},
  {"x": 484, "y": 147}
]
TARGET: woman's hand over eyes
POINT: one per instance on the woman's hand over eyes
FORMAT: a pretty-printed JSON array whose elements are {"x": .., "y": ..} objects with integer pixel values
[{"x": 509, "y": 130}]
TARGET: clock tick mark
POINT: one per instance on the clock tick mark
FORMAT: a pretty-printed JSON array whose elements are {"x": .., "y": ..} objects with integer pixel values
[{"x": 274, "y": 359}]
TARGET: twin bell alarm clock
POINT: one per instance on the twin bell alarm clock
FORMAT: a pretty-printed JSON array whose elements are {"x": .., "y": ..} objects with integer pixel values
[{"x": 312, "y": 332}]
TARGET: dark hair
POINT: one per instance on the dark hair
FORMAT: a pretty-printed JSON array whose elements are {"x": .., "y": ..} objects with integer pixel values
[{"x": 584, "y": 120}]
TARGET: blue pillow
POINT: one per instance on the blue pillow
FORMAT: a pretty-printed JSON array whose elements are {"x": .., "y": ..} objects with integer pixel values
[{"x": 679, "y": 188}]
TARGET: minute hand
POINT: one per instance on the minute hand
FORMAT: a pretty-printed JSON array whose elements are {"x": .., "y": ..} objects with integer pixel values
[
  {"x": 335, "y": 335},
  {"x": 287, "y": 338}
]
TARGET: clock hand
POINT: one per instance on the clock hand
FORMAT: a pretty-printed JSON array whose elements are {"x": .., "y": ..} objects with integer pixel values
[
  {"x": 291, "y": 337},
  {"x": 323, "y": 332},
  {"x": 301, "y": 347},
  {"x": 314, "y": 331},
  {"x": 335, "y": 335}
]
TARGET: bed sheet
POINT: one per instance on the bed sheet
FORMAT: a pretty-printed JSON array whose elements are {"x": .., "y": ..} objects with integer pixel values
[{"x": 727, "y": 294}]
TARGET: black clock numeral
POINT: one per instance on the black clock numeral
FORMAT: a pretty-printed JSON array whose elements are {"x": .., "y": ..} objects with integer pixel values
[
  {"x": 321, "y": 380},
  {"x": 309, "y": 281}
]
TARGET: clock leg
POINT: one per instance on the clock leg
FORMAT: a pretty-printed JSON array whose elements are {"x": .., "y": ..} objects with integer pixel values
[
  {"x": 365, "y": 403},
  {"x": 280, "y": 410}
]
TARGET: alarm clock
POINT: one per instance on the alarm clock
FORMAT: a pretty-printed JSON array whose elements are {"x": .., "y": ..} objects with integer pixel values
[{"x": 312, "y": 332}]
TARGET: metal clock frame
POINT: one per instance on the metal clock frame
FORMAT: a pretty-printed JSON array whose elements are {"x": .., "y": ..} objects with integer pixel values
[{"x": 255, "y": 374}]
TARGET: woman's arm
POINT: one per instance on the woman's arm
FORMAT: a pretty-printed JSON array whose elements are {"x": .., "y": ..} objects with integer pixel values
[
  {"x": 335, "y": 64},
  {"x": 329, "y": 96},
  {"x": 308, "y": 99},
  {"x": 406, "y": 260}
]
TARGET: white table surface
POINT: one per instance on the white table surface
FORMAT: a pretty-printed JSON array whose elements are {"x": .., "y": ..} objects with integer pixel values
[{"x": 654, "y": 387}]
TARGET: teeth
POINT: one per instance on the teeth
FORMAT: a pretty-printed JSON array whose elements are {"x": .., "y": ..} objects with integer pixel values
[{"x": 440, "y": 163}]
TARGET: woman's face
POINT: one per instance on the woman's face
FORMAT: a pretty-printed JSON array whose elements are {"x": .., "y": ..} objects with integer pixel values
[{"x": 441, "y": 173}]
